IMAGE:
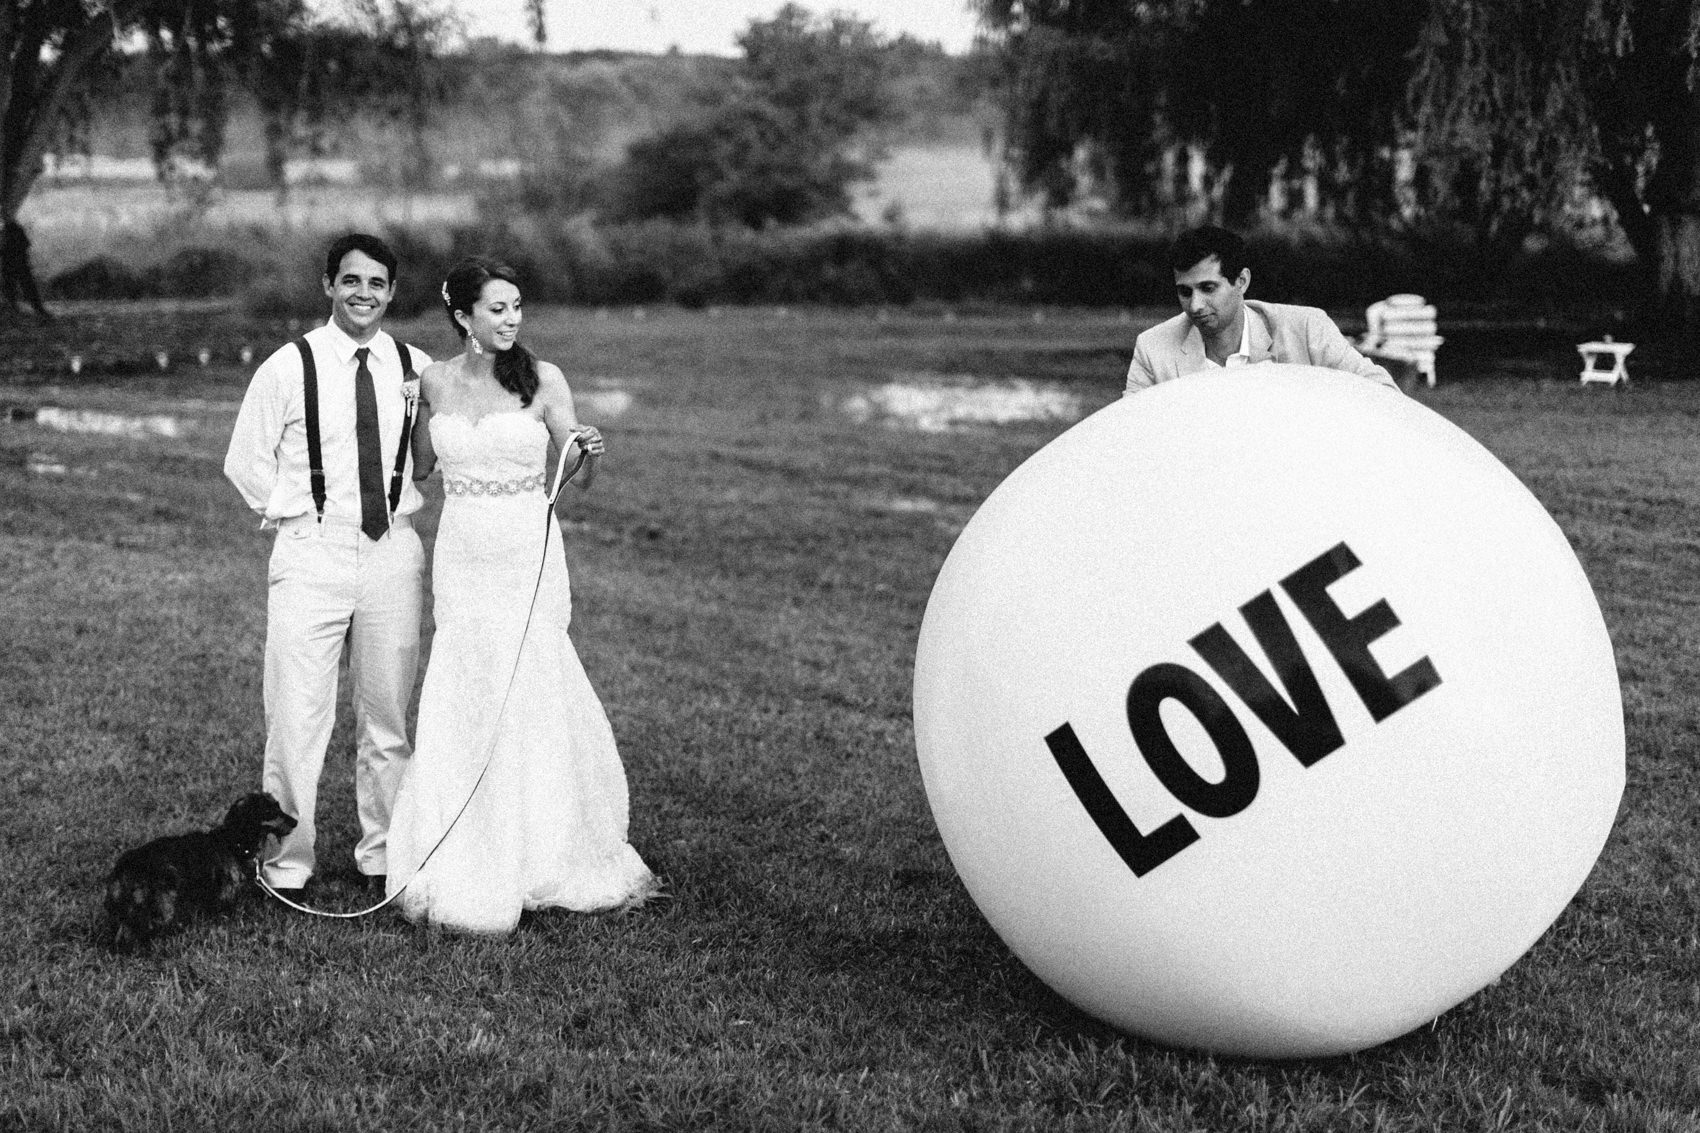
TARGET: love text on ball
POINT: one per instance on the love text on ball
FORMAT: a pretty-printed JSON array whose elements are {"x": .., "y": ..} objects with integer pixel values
[{"x": 1302, "y": 719}]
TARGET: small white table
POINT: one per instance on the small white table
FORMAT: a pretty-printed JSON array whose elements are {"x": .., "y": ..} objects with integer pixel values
[{"x": 1605, "y": 361}]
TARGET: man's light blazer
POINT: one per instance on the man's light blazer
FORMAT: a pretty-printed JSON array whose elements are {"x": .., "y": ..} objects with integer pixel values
[{"x": 1277, "y": 332}]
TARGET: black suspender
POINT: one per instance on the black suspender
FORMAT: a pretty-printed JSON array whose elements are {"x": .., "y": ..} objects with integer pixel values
[
  {"x": 407, "y": 375},
  {"x": 315, "y": 458}
]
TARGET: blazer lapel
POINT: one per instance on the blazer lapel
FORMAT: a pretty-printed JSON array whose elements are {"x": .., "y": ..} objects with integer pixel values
[
  {"x": 1192, "y": 350},
  {"x": 1260, "y": 344}
]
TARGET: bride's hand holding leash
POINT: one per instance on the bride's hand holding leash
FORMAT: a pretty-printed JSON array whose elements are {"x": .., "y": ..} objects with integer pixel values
[
  {"x": 587, "y": 442},
  {"x": 589, "y": 439}
]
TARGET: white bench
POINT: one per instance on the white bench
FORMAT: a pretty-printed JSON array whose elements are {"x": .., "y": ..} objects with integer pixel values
[
  {"x": 1605, "y": 361},
  {"x": 1406, "y": 328}
]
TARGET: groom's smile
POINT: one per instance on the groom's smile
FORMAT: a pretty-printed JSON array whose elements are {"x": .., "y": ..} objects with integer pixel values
[{"x": 360, "y": 294}]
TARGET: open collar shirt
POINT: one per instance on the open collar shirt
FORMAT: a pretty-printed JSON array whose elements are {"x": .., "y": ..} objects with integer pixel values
[
  {"x": 1274, "y": 332},
  {"x": 1240, "y": 357},
  {"x": 267, "y": 458}
]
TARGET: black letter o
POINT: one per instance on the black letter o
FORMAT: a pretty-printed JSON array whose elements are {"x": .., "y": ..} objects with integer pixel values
[{"x": 1216, "y": 800}]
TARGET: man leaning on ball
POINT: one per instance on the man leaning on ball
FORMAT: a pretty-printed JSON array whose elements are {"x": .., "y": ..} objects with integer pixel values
[{"x": 1219, "y": 328}]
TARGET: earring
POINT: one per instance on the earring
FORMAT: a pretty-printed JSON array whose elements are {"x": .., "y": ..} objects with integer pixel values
[{"x": 473, "y": 344}]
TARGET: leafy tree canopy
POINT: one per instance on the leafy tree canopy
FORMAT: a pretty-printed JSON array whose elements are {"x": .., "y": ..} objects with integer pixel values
[
  {"x": 296, "y": 64},
  {"x": 376, "y": 58},
  {"x": 783, "y": 141},
  {"x": 48, "y": 49},
  {"x": 1099, "y": 94},
  {"x": 1515, "y": 101},
  {"x": 1523, "y": 109},
  {"x": 52, "y": 50}
]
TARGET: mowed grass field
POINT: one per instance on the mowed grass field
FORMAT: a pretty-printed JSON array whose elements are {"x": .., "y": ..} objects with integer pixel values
[{"x": 749, "y": 572}]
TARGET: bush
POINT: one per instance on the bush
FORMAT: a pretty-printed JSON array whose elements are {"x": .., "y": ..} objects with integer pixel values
[
  {"x": 197, "y": 273},
  {"x": 279, "y": 296},
  {"x": 99, "y": 278},
  {"x": 577, "y": 261}
]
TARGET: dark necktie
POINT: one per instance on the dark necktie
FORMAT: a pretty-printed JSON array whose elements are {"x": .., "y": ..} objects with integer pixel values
[{"x": 374, "y": 509}]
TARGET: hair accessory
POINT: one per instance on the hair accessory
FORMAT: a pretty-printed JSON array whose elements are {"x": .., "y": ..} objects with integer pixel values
[{"x": 446, "y": 291}]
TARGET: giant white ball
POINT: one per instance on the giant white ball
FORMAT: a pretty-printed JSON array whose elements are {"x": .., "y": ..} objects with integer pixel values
[{"x": 1346, "y": 897}]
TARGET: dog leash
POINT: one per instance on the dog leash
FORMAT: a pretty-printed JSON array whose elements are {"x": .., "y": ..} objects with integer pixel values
[{"x": 563, "y": 476}]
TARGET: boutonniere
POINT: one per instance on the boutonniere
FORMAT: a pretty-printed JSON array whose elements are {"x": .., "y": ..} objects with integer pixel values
[{"x": 410, "y": 393}]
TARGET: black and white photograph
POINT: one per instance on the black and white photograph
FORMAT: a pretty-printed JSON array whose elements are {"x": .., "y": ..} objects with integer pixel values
[{"x": 763, "y": 565}]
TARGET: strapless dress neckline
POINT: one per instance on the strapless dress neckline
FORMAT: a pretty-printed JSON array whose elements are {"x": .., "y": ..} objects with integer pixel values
[{"x": 474, "y": 422}]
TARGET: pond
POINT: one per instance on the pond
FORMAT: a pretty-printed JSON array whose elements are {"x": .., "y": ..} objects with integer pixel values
[
  {"x": 136, "y": 426},
  {"x": 923, "y": 401},
  {"x": 940, "y": 403},
  {"x": 593, "y": 404}
]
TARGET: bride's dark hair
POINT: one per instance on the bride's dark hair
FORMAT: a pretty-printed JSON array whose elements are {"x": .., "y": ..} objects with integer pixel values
[{"x": 516, "y": 369}]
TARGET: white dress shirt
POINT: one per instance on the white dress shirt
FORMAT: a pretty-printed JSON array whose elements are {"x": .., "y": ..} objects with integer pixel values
[
  {"x": 267, "y": 459},
  {"x": 1240, "y": 357}
]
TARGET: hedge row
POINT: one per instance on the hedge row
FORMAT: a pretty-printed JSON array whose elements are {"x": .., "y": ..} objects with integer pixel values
[{"x": 576, "y": 262}]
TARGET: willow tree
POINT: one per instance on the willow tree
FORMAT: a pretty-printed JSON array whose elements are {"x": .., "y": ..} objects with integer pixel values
[
  {"x": 50, "y": 50},
  {"x": 1519, "y": 106},
  {"x": 383, "y": 57},
  {"x": 1099, "y": 94}
]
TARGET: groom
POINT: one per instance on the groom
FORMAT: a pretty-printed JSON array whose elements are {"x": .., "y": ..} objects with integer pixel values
[{"x": 320, "y": 452}]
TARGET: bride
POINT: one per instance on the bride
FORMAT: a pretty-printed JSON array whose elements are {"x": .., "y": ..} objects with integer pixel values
[{"x": 546, "y": 826}]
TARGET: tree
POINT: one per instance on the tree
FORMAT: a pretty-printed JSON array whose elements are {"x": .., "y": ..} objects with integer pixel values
[
  {"x": 1519, "y": 105},
  {"x": 1099, "y": 95},
  {"x": 784, "y": 141},
  {"x": 384, "y": 56},
  {"x": 50, "y": 50},
  {"x": 746, "y": 163}
]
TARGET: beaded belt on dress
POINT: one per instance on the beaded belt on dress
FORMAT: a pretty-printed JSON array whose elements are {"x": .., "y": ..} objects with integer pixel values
[{"x": 466, "y": 486}]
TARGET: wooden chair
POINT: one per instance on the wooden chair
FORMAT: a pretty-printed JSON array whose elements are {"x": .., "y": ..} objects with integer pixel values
[{"x": 1405, "y": 328}]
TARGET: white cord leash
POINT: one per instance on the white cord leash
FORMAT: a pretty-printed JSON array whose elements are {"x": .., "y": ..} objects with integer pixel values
[{"x": 562, "y": 476}]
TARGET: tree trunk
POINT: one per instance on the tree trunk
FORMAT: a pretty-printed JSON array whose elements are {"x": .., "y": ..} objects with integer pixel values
[
  {"x": 34, "y": 102},
  {"x": 17, "y": 277},
  {"x": 1673, "y": 196},
  {"x": 1676, "y": 314},
  {"x": 1243, "y": 191},
  {"x": 29, "y": 129}
]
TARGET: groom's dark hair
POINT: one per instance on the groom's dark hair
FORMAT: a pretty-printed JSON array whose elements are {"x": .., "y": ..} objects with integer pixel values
[{"x": 359, "y": 242}]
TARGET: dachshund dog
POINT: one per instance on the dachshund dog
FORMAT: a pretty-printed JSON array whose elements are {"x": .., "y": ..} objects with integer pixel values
[{"x": 156, "y": 887}]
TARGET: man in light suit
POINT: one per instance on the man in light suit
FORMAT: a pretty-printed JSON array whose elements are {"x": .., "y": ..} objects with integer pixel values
[
  {"x": 320, "y": 453},
  {"x": 1219, "y": 327}
]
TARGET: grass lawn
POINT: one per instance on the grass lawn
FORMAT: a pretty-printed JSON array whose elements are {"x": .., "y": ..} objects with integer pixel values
[{"x": 749, "y": 575}]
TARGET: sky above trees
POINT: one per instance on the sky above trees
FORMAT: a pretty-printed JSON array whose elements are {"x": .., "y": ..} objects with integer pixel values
[{"x": 703, "y": 26}]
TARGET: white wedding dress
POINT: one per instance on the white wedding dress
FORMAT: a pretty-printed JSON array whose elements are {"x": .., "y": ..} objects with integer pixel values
[{"x": 546, "y": 826}]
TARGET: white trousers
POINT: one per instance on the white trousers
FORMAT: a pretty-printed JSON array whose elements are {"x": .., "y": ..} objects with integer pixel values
[{"x": 330, "y": 584}]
